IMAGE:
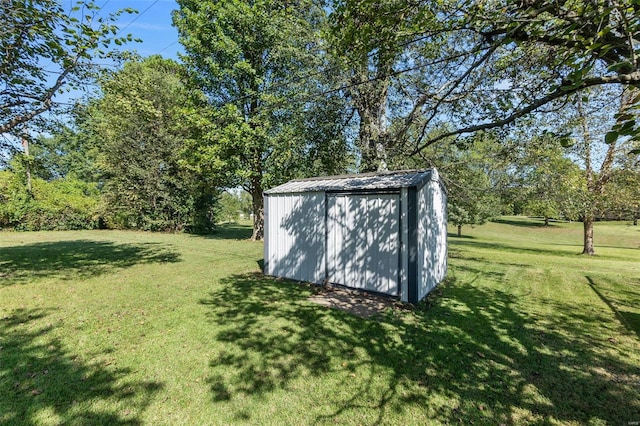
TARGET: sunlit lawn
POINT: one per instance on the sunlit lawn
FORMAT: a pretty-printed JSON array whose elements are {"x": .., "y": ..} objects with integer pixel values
[{"x": 125, "y": 328}]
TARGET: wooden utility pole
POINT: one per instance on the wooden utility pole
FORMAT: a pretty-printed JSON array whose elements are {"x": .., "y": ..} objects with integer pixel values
[{"x": 27, "y": 165}]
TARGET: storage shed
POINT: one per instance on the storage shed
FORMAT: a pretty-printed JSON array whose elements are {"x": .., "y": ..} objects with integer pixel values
[{"x": 379, "y": 232}]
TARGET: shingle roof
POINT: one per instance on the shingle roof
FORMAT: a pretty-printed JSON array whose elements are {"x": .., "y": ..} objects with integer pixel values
[{"x": 364, "y": 181}]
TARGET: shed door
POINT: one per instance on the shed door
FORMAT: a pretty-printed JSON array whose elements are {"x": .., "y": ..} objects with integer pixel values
[{"x": 363, "y": 241}]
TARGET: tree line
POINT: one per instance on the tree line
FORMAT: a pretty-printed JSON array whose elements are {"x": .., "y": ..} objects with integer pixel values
[{"x": 525, "y": 107}]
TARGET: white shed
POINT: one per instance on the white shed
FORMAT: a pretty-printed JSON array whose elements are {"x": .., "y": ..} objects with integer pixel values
[{"x": 379, "y": 232}]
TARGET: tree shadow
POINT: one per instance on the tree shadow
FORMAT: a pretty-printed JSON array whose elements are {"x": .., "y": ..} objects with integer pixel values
[
  {"x": 630, "y": 320},
  {"x": 529, "y": 222},
  {"x": 41, "y": 379},
  {"x": 76, "y": 259},
  {"x": 516, "y": 249},
  {"x": 472, "y": 344},
  {"x": 455, "y": 235},
  {"x": 230, "y": 231}
]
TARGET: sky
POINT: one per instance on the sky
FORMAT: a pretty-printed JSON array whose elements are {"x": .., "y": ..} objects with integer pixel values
[{"x": 152, "y": 24}]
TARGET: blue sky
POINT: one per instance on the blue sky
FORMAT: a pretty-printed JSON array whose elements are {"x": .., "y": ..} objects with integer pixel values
[{"x": 152, "y": 24}]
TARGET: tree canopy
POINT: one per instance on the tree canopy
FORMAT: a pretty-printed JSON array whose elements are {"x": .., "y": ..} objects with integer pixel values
[
  {"x": 244, "y": 55},
  {"x": 43, "y": 50}
]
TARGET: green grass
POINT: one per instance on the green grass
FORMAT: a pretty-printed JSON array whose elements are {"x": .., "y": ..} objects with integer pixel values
[{"x": 139, "y": 328}]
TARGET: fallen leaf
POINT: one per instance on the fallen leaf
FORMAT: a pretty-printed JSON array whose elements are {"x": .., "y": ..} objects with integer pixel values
[{"x": 36, "y": 392}]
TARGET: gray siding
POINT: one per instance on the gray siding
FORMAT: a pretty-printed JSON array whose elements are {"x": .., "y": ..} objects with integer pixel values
[
  {"x": 432, "y": 237},
  {"x": 294, "y": 241},
  {"x": 363, "y": 233},
  {"x": 383, "y": 232}
]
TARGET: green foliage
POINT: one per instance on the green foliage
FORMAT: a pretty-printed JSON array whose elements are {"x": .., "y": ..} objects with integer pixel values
[
  {"x": 253, "y": 60},
  {"x": 45, "y": 49},
  {"x": 368, "y": 42},
  {"x": 69, "y": 151},
  {"x": 140, "y": 132},
  {"x": 623, "y": 194},
  {"x": 230, "y": 207},
  {"x": 550, "y": 184},
  {"x": 61, "y": 204},
  {"x": 474, "y": 172}
]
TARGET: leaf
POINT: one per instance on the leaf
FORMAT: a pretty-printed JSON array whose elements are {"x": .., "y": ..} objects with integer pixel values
[
  {"x": 611, "y": 137},
  {"x": 618, "y": 65},
  {"x": 566, "y": 142}
]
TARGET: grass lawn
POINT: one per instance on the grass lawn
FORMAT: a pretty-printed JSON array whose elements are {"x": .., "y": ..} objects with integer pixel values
[{"x": 113, "y": 327}]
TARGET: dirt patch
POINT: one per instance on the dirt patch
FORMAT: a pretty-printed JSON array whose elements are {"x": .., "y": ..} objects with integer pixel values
[{"x": 364, "y": 305}]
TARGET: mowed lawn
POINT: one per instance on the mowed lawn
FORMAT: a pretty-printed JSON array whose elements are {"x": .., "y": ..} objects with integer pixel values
[{"x": 133, "y": 328}]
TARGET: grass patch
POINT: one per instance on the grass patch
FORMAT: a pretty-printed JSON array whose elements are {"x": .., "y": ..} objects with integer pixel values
[{"x": 138, "y": 328}]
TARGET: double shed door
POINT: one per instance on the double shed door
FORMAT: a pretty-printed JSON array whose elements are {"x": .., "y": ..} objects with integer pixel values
[{"x": 363, "y": 241}]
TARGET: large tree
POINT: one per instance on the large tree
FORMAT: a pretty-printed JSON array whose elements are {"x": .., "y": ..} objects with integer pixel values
[
  {"x": 378, "y": 48},
  {"x": 45, "y": 49},
  {"x": 599, "y": 151},
  {"x": 506, "y": 60},
  {"x": 138, "y": 126},
  {"x": 257, "y": 62},
  {"x": 485, "y": 64}
]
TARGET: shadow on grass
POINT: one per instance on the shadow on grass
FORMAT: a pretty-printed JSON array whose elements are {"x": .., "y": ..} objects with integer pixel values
[
  {"x": 514, "y": 249},
  {"x": 630, "y": 320},
  {"x": 526, "y": 223},
  {"x": 76, "y": 259},
  {"x": 41, "y": 382},
  {"x": 231, "y": 231},
  {"x": 455, "y": 235},
  {"x": 469, "y": 355}
]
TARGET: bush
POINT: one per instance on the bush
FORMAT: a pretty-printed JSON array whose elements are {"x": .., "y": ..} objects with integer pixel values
[{"x": 62, "y": 204}]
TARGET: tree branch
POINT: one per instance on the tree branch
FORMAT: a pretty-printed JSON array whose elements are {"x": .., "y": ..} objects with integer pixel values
[{"x": 560, "y": 92}]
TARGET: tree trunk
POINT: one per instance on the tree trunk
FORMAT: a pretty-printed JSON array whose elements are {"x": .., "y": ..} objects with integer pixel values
[
  {"x": 370, "y": 101},
  {"x": 588, "y": 236},
  {"x": 635, "y": 221},
  {"x": 258, "y": 210},
  {"x": 459, "y": 230}
]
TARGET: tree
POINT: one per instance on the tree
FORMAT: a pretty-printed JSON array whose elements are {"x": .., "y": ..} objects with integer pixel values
[
  {"x": 624, "y": 194},
  {"x": 378, "y": 45},
  {"x": 138, "y": 123},
  {"x": 474, "y": 172},
  {"x": 549, "y": 183},
  {"x": 45, "y": 49},
  {"x": 512, "y": 59},
  {"x": 576, "y": 181},
  {"x": 256, "y": 63},
  {"x": 70, "y": 150},
  {"x": 591, "y": 140}
]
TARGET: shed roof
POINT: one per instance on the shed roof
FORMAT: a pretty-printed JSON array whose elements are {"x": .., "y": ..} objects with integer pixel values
[{"x": 358, "y": 182}]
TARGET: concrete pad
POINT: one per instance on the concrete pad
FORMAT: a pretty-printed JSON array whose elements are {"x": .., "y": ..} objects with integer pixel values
[{"x": 361, "y": 304}]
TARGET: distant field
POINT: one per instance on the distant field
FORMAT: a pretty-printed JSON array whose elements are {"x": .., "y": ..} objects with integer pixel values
[{"x": 106, "y": 327}]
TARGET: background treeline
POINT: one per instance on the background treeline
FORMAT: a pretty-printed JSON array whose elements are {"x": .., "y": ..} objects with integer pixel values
[{"x": 521, "y": 109}]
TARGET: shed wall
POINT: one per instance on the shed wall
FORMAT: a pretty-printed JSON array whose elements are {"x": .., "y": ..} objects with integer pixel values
[
  {"x": 432, "y": 237},
  {"x": 363, "y": 233},
  {"x": 404, "y": 254},
  {"x": 294, "y": 236},
  {"x": 392, "y": 241}
]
